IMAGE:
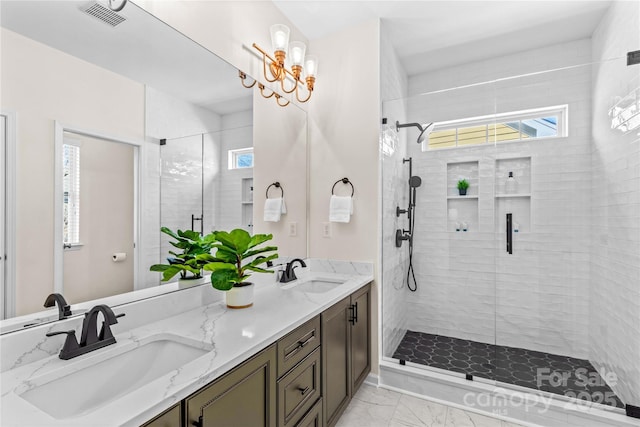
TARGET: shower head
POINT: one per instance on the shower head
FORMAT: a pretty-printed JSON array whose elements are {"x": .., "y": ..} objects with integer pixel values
[
  {"x": 425, "y": 129},
  {"x": 415, "y": 182},
  {"x": 425, "y": 133}
]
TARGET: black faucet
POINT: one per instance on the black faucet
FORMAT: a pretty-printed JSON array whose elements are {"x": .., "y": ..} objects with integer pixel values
[
  {"x": 64, "y": 310},
  {"x": 289, "y": 274},
  {"x": 90, "y": 339}
]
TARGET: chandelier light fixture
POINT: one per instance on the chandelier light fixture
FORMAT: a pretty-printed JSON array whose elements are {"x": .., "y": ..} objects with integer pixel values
[{"x": 302, "y": 72}]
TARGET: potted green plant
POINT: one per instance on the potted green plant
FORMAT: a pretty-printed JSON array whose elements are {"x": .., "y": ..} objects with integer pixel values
[
  {"x": 185, "y": 260},
  {"x": 234, "y": 259},
  {"x": 463, "y": 184}
]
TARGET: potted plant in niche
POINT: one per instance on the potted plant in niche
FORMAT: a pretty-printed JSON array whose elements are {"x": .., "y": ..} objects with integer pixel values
[
  {"x": 463, "y": 184},
  {"x": 234, "y": 258},
  {"x": 185, "y": 262}
]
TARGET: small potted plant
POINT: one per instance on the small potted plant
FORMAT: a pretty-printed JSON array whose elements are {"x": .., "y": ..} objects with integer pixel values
[
  {"x": 185, "y": 261},
  {"x": 234, "y": 259},
  {"x": 463, "y": 184}
]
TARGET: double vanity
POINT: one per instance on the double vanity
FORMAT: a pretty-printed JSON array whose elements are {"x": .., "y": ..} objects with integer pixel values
[{"x": 293, "y": 359}]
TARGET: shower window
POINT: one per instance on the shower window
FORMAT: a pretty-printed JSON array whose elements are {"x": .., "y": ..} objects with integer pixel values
[
  {"x": 505, "y": 127},
  {"x": 241, "y": 159}
]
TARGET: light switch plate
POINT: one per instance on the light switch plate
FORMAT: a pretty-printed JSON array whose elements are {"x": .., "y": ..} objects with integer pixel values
[
  {"x": 293, "y": 229},
  {"x": 326, "y": 229}
]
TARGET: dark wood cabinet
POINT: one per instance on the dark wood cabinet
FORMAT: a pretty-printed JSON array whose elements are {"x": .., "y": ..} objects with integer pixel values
[
  {"x": 246, "y": 396},
  {"x": 169, "y": 418},
  {"x": 336, "y": 353},
  {"x": 346, "y": 355},
  {"x": 306, "y": 379},
  {"x": 360, "y": 337}
]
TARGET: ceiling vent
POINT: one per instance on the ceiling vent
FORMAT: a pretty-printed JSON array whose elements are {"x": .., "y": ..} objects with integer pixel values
[{"x": 104, "y": 14}]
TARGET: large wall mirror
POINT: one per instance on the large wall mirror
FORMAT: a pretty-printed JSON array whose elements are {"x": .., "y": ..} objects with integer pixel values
[{"x": 124, "y": 125}]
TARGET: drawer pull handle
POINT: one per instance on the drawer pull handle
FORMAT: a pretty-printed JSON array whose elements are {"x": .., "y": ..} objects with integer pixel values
[
  {"x": 305, "y": 342},
  {"x": 303, "y": 391}
]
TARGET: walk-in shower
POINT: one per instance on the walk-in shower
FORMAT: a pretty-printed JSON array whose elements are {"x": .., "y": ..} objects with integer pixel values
[{"x": 550, "y": 311}]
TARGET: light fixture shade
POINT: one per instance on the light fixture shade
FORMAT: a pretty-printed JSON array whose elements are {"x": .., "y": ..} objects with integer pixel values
[
  {"x": 296, "y": 53},
  {"x": 311, "y": 66},
  {"x": 279, "y": 37}
]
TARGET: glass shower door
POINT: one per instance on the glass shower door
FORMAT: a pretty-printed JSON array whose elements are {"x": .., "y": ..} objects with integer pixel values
[
  {"x": 182, "y": 186},
  {"x": 543, "y": 176}
]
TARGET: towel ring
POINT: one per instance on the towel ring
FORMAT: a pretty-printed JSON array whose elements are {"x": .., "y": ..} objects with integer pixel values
[
  {"x": 344, "y": 181},
  {"x": 277, "y": 185}
]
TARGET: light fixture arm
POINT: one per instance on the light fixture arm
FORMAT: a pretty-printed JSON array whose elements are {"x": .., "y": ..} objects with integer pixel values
[
  {"x": 243, "y": 77},
  {"x": 274, "y": 65},
  {"x": 261, "y": 87},
  {"x": 278, "y": 97},
  {"x": 309, "y": 89}
]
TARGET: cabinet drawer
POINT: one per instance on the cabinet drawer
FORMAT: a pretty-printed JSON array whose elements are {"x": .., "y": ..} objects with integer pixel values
[
  {"x": 299, "y": 390},
  {"x": 313, "y": 418},
  {"x": 298, "y": 344}
]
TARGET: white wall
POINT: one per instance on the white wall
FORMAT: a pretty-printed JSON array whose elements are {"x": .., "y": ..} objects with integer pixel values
[
  {"x": 280, "y": 155},
  {"x": 344, "y": 120},
  {"x": 35, "y": 79},
  {"x": 394, "y": 177},
  {"x": 469, "y": 287},
  {"x": 614, "y": 288}
]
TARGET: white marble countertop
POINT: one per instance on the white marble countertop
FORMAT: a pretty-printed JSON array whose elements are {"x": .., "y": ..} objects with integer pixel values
[{"x": 230, "y": 336}]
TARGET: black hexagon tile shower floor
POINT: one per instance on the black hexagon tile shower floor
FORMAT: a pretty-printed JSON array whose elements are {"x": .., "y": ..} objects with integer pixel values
[{"x": 552, "y": 373}]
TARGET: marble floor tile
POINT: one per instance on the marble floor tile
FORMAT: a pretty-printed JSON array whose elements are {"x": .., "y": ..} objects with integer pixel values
[
  {"x": 379, "y": 407},
  {"x": 371, "y": 407},
  {"x": 459, "y": 418},
  {"x": 414, "y": 412}
]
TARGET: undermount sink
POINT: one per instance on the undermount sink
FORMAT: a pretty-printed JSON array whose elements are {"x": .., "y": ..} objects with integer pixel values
[
  {"x": 318, "y": 285},
  {"x": 87, "y": 388}
]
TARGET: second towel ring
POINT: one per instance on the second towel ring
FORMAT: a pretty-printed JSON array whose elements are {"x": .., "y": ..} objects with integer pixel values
[
  {"x": 344, "y": 181},
  {"x": 277, "y": 185}
]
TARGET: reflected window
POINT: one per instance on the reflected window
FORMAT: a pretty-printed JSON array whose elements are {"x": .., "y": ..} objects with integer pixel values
[
  {"x": 71, "y": 193},
  {"x": 514, "y": 126},
  {"x": 241, "y": 159}
]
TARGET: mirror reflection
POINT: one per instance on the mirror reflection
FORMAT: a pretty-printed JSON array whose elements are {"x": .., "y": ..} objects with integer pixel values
[{"x": 123, "y": 125}]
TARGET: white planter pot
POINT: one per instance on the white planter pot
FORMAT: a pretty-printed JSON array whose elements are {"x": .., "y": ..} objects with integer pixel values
[
  {"x": 187, "y": 283},
  {"x": 240, "y": 296}
]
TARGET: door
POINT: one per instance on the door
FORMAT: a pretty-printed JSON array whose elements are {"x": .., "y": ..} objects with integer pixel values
[
  {"x": 244, "y": 397},
  {"x": 182, "y": 194},
  {"x": 360, "y": 337},
  {"x": 336, "y": 349},
  {"x": 3, "y": 168},
  {"x": 98, "y": 193}
]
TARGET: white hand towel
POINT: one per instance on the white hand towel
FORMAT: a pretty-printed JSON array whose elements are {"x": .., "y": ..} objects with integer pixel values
[
  {"x": 340, "y": 209},
  {"x": 273, "y": 209}
]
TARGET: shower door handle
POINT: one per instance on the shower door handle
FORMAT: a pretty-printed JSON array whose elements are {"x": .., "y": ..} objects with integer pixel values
[
  {"x": 193, "y": 220},
  {"x": 509, "y": 233}
]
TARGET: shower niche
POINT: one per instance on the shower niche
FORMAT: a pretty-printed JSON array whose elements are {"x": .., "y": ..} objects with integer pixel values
[
  {"x": 462, "y": 211},
  {"x": 513, "y": 193}
]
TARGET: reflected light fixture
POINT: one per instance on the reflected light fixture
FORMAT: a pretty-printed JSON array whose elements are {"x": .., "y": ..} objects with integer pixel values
[
  {"x": 303, "y": 68},
  {"x": 625, "y": 114}
]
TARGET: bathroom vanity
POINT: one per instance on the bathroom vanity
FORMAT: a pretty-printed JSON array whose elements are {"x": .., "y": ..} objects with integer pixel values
[{"x": 295, "y": 358}]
